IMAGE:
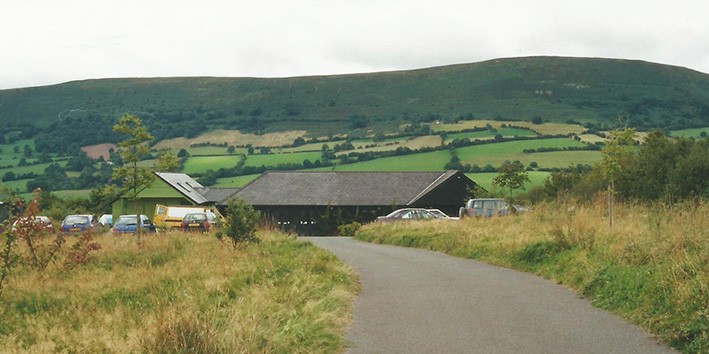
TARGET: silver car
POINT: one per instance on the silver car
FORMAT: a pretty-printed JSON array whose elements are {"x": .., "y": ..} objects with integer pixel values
[
  {"x": 489, "y": 207},
  {"x": 407, "y": 214}
]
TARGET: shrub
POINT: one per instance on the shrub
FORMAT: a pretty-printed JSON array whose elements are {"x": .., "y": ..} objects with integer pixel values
[
  {"x": 348, "y": 229},
  {"x": 240, "y": 225}
]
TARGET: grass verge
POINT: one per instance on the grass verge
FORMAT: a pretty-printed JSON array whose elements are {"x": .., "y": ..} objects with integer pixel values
[
  {"x": 651, "y": 269},
  {"x": 184, "y": 293}
]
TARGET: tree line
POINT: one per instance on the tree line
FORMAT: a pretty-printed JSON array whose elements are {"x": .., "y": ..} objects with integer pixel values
[{"x": 661, "y": 168}]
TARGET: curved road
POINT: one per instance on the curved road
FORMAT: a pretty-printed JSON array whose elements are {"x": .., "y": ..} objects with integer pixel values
[{"x": 417, "y": 301}]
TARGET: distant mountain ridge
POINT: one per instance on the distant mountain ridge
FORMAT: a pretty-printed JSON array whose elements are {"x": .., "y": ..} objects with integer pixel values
[{"x": 596, "y": 92}]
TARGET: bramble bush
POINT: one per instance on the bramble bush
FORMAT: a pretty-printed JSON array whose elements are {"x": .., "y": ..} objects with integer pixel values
[{"x": 28, "y": 244}]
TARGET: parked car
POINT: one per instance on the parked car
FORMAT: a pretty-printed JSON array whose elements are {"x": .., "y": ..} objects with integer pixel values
[
  {"x": 106, "y": 220},
  {"x": 489, "y": 207},
  {"x": 44, "y": 221},
  {"x": 170, "y": 216},
  {"x": 77, "y": 223},
  {"x": 407, "y": 214},
  {"x": 128, "y": 224},
  {"x": 197, "y": 222},
  {"x": 437, "y": 213}
]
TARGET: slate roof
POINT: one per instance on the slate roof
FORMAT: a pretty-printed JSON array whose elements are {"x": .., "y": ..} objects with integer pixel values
[
  {"x": 184, "y": 184},
  {"x": 193, "y": 190},
  {"x": 341, "y": 188},
  {"x": 216, "y": 195}
]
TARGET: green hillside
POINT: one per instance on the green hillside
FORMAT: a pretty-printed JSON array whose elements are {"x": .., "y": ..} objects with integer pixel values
[{"x": 595, "y": 92}]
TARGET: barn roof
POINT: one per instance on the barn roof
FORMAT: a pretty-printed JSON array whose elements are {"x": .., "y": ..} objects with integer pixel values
[
  {"x": 183, "y": 184},
  {"x": 216, "y": 195},
  {"x": 193, "y": 190},
  {"x": 341, "y": 188}
]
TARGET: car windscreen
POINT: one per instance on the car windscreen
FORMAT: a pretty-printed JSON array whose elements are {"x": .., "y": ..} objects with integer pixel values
[
  {"x": 126, "y": 220},
  {"x": 70, "y": 220},
  {"x": 196, "y": 217}
]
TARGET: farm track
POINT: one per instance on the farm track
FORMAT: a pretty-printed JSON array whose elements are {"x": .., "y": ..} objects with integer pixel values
[{"x": 416, "y": 301}]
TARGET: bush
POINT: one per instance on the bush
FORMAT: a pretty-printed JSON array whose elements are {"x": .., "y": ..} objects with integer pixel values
[
  {"x": 240, "y": 225},
  {"x": 348, "y": 229}
]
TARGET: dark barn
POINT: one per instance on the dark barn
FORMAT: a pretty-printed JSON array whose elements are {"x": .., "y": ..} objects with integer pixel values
[{"x": 317, "y": 202}]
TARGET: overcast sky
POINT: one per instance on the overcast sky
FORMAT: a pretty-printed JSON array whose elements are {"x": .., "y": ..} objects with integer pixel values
[{"x": 52, "y": 41}]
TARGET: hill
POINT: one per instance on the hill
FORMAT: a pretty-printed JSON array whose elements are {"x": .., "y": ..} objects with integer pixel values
[{"x": 598, "y": 93}]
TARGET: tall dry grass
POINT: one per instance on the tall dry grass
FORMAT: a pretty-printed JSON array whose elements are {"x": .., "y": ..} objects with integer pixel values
[
  {"x": 184, "y": 293},
  {"x": 652, "y": 267}
]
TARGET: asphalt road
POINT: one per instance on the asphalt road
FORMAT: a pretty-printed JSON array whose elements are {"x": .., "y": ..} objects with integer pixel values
[{"x": 417, "y": 301}]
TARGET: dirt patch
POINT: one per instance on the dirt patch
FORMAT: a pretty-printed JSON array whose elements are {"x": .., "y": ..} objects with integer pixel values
[{"x": 96, "y": 151}]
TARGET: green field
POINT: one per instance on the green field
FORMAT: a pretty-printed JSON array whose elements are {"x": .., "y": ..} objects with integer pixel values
[
  {"x": 203, "y": 163},
  {"x": 18, "y": 186},
  {"x": 232, "y": 182},
  {"x": 38, "y": 169},
  {"x": 81, "y": 193},
  {"x": 487, "y": 134},
  {"x": 690, "y": 133},
  {"x": 495, "y": 154},
  {"x": 212, "y": 151},
  {"x": 275, "y": 159},
  {"x": 306, "y": 147},
  {"x": 8, "y": 152},
  {"x": 427, "y": 161}
]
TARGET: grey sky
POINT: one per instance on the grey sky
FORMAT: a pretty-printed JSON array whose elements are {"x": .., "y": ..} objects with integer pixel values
[{"x": 52, "y": 41}]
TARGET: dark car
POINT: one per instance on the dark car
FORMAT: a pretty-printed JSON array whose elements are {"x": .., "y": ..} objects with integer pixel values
[
  {"x": 77, "y": 223},
  {"x": 407, "y": 214},
  {"x": 489, "y": 207},
  {"x": 128, "y": 224},
  {"x": 197, "y": 222}
]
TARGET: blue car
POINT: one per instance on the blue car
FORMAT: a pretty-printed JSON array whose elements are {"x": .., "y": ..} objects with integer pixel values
[
  {"x": 77, "y": 223},
  {"x": 127, "y": 224}
]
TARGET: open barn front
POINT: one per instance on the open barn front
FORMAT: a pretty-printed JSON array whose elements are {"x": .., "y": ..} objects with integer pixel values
[{"x": 316, "y": 203}]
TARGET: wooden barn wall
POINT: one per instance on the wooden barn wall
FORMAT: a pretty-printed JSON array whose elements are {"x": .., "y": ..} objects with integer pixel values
[
  {"x": 320, "y": 220},
  {"x": 449, "y": 196}
]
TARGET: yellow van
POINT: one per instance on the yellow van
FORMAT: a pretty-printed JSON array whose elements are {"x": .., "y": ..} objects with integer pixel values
[{"x": 170, "y": 216}]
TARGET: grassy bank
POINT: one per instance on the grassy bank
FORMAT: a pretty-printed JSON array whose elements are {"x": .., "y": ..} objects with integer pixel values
[
  {"x": 184, "y": 293},
  {"x": 651, "y": 269}
]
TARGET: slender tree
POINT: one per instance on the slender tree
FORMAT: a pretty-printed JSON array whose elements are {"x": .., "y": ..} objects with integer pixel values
[
  {"x": 512, "y": 176},
  {"x": 132, "y": 150},
  {"x": 617, "y": 153}
]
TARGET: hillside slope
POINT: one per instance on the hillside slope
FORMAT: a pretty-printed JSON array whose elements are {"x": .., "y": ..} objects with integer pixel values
[{"x": 591, "y": 91}]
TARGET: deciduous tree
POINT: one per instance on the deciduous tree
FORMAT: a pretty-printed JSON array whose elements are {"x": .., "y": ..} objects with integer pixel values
[{"x": 512, "y": 176}]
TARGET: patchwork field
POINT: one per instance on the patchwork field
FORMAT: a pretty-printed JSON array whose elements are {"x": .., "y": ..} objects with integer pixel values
[
  {"x": 541, "y": 129},
  {"x": 494, "y": 154},
  {"x": 488, "y": 135},
  {"x": 275, "y": 159},
  {"x": 235, "y": 138},
  {"x": 428, "y": 161},
  {"x": 203, "y": 158},
  {"x": 212, "y": 151}
]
